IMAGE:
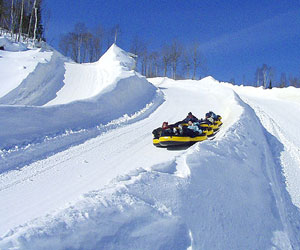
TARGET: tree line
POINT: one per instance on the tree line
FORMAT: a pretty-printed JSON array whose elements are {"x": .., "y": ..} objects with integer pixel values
[
  {"x": 173, "y": 60},
  {"x": 265, "y": 77},
  {"x": 23, "y": 18}
]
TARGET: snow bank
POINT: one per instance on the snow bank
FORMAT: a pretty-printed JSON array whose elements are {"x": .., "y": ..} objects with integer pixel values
[
  {"x": 278, "y": 110},
  {"x": 11, "y": 46},
  {"x": 41, "y": 85},
  {"x": 16, "y": 66},
  {"x": 233, "y": 197},
  {"x": 231, "y": 204},
  {"x": 123, "y": 92},
  {"x": 84, "y": 81}
]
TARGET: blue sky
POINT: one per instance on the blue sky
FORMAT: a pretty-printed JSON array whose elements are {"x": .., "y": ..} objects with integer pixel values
[{"x": 236, "y": 36}]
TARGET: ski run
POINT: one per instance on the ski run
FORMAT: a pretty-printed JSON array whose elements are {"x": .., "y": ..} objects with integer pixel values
[{"x": 78, "y": 169}]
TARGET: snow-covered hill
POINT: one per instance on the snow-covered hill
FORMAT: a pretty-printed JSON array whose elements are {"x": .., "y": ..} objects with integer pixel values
[
  {"x": 79, "y": 171},
  {"x": 89, "y": 95}
]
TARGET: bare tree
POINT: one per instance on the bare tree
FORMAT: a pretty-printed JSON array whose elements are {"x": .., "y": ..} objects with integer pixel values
[
  {"x": 196, "y": 58},
  {"x": 258, "y": 78},
  {"x": 12, "y": 23},
  {"x": 175, "y": 54},
  {"x": 264, "y": 74},
  {"x": 4, "y": 14},
  {"x": 155, "y": 57},
  {"x": 153, "y": 64},
  {"x": 112, "y": 34},
  {"x": 138, "y": 47},
  {"x": 267, "y": 73},
  {"x": 86, "y": 42},
  {"x": 31, "y": 17},
  {"x": 35, "y": 25},
  {"x": 294, "y": 81},
  {"x": 187, "y": 61},
  {"x": 232, "y": 81},
  {"x": 21, "y": 21},
  {"x": 96, "y": 43},
  {"x": 144, "y": 61},
  {"x": 64, "y": 44},
  {"x": 166, "y": 58},
  {"x": 283, "y": 80},
  {"x": 78, "y": 36}
]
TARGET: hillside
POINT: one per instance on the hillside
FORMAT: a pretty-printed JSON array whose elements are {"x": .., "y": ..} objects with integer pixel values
[{"x": 79, "y": 171}]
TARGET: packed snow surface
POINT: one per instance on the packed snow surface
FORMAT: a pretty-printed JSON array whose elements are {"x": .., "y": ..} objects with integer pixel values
[{"x": 79, "y": 171}]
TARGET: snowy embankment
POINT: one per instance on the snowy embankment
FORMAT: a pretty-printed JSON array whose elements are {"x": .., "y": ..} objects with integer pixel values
[
  {"x": 278, "y": 109},
  {"x": 118, "y": 191},
  {"x": 227, "y": 193},
  {"x": 75, "y": 98}
]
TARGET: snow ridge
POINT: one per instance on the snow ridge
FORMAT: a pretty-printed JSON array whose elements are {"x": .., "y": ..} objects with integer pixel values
[
  {"x": 233, "y": 191},
  {"x": 41, "y": 85}
]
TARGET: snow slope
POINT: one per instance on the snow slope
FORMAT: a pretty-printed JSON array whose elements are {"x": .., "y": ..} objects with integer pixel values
[
  {"x": 116, "y": 92},
  {"x": 118, "y": 191},
  {"x": 278, "y": 110}
]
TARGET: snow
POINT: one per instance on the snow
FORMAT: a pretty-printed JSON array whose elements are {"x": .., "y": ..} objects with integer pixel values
[
  {"x": 79, "y": 171},
  {"x": 11, "y": 46}
]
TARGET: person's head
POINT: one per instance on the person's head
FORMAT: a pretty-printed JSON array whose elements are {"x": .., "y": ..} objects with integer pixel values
[
  {"x": 190, "y": 123},
  {"x": 190, "y": 114},
  {"x": 165, "y": 124},
  {"x": 207, "y": 115}
]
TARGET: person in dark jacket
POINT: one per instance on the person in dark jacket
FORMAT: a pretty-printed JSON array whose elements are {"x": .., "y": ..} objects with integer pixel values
[
  {"x": 166, "y": 129},
  {"x": 190, "y": 117}
]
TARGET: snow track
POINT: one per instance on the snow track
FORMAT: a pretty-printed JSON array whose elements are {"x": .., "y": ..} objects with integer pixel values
[
  {"x": 227, "y": 193},
  {"x": 95, "y": 181}
]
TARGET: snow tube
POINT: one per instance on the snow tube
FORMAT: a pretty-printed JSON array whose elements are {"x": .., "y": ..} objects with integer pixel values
[
  {"x": 178, "y": 140},
  {"x": 184, "y": 139}
]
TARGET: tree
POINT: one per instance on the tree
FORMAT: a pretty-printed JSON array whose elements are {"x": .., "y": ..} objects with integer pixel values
[
  {"x": 294, "y": 81},
  {"x": 232, "y": 81},
  {"x": 166, "y": 58},
  {"x": 144, "y": 61},
  {"x": 31, "y": 17},
  {"x": 78, "y": 37},
  {"x": 1, "y": 8},
  {"x": 175, "y": 54},
  {"x": 138, "y": 47},
  {"x": 96, "y": 44},
  {"x": 187, "y": 62},
  {"x": 270, "y": 84},
  {"x": 65, "y": 44},
  {"x": 21, "y": 20},
  {"x": 196, "y": 58},
  {"x": 12, "y": 18},
  {"x": 112, "y": 34},
  {"x": 267, "y": 73},
  {"x": 258, "y": 77},
  {"x": 263, "y": 75},
  {"x": 283, "y": 80},
  {"x": 153, "y": 65},
  {"x": 4, "y": 14}
]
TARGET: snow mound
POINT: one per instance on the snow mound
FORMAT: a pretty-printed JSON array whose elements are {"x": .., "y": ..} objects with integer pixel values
[
  {"x": 117, "y": 56},
  {"x": 12, "y": 46},
  {"x": 118, "y": 91},
  {"x": 83, "y": 81},
  {"x": 41, "y": 84},
  {"x": 232, "y": 198}
]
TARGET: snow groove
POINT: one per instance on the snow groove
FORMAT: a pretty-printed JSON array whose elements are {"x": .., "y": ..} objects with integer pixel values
[
  {"x": 136, "y": 211},
  {"x": 15, "y": 159},
  {"x": 288, "y": 212}
]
